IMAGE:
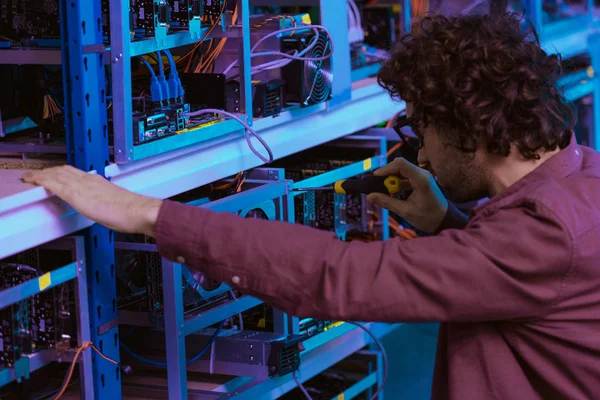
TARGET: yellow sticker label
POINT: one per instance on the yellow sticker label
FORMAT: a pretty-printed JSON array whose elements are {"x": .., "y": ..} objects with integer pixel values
[
  {"x": 45, "y": 281},
  {"x": 340, "y": 397},
  {"x": 333, "y": 325},
  {"x": 306, "y": 19},
  {"x": 367, "y": 164}
]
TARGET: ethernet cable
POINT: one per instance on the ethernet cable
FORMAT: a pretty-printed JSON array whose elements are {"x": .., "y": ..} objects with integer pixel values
[
  {"x": 290, "y": 57},
  {"x": 247, "y": 132},
  {"x": 385, "y": 365}
]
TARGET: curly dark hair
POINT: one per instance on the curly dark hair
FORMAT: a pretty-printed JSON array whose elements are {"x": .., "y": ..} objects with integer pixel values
[{"x": 481, "y": 80}]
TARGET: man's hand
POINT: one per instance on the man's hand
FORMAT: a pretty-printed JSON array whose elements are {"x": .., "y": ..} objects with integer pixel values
[
  {"x": 425, "y": 208},
  {"x": 99, "y": 200}
]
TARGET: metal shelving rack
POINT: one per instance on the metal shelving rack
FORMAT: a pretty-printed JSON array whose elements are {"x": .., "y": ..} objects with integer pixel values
[
  {"x": 31, "y": 216},
  {"x": 75, "y": 271}
]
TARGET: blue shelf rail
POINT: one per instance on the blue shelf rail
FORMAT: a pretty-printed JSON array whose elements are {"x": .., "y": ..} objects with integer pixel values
[
  {"x": 75, "y": 271},
  {"x": 123, "y": 48},
  {"x": 346, "y": 172},
  {"x": 270, "y": 195},
  {"x": 84, "y": 85},
  {"x": 535, "y": 13},
  {"x": 320, "y": 352}
]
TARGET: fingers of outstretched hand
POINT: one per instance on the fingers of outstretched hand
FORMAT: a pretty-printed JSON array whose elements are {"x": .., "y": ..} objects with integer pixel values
[
  {"x": 401, "y": 167},
  {"x": 58, "y": 180},
  {"x": 399, "y": 207}
]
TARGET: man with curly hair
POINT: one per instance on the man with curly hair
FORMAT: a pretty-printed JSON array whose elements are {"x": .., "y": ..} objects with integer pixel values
[{"x": 516, "y": 284}]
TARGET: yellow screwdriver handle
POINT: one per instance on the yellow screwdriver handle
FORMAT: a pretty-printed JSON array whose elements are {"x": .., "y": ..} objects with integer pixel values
[{"x": 370, "y": 184}]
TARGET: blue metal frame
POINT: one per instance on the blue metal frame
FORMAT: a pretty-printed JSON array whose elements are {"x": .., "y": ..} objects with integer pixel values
[
  {"x": 36, "y": 286},
  {"x": 535, "y": 13},
  {"x": 341, "y": 90},
  {"x": 74, "y": 271},
  {"x": 320, "y": 352},
  {"x": 87, "y": 147},
  {"x": 122, "y": 49},
  {"x": 345, "y": 172},
  {"x": 176, "y": 327}
]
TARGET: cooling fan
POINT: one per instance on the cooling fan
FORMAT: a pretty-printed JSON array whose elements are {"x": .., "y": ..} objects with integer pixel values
[{"x": 308, "y": 82}]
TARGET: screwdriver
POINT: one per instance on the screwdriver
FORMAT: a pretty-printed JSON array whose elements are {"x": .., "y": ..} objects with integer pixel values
[{"x": 370, "y": 184}]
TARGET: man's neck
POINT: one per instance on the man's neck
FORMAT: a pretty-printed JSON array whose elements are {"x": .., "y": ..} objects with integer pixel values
[{"x": 506, "y": 171}]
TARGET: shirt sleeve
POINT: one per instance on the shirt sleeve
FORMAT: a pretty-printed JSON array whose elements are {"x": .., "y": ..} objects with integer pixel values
[
  {"x": 454, "y": 219},
  {"x": 505, "y": 266}
]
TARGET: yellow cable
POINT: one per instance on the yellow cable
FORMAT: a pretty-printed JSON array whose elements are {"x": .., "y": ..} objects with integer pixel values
[
  {"x": 205, "y": 65},
  {"x": 80, "y": 349},
  {"x": 205, "y": 35}
]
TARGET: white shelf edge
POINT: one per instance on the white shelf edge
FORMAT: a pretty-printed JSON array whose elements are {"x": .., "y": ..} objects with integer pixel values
[
  {"x": 37, "y": 220},
  {"x": 195, "y": 167},
  {"x": 34, "y": 217}
]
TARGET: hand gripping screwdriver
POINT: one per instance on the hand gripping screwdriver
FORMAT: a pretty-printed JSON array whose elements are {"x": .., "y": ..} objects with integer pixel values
[{"x": 370, "y": 184}]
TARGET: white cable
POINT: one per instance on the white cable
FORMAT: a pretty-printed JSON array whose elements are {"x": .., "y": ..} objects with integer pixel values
[
  {"x": 295, "y": 55},
  {"x": 282, "y": 62},
  {"x": 247, "y": 132},
  {"x": 301, "y": 387},
  {"x": 211, "y": 362},
  {"x": 356, "y": 13},
  {"x": 351, "y": 17},
  {"x": 240, "y": 314},
  {"x": 385, "y": 365}
]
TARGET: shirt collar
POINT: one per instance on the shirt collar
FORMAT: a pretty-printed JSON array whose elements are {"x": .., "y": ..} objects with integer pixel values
[{"x": 560, "y": 165}]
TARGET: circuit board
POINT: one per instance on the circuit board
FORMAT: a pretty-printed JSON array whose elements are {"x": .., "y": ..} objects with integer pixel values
[{"x": 32, "y": 19}]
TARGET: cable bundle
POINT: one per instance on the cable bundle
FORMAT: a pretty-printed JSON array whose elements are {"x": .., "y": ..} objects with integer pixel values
[
  {"x": 286, "y": 58},
  {"x": 50, "y": 109}
]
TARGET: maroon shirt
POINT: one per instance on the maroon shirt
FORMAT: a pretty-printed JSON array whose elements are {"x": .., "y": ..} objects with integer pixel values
[{"x": 518, "y": 287}]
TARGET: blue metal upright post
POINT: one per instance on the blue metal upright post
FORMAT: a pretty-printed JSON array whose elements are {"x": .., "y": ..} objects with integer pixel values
[
  {"x": 385, "y": 214},
  {"x": 340, "y": 59},
  {"x": 87, "y": 141},
  {"x": 121, "y": 91},
  {"x": 535, "y": 14},
  {"x": 244, "y": 61},
  {"x": 406, "y": 15},
  {"x": 594, "y": 49},
  {"x": 174, "y": 333}
]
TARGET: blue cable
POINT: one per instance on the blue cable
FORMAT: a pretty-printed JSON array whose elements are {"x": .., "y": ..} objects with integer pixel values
[
  {"x": 161, "y": 68},
  {"x": 164, "y": 86},
  {"x": 171, "y": 60},
  {"x": 164, "y": 365},
  {"x": 147, "y": 65},
  {"x": 175, "y": 86},
  {"x": 155, "y": 89}
]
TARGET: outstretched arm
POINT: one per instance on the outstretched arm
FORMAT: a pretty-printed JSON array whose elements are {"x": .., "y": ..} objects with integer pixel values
[{"x": 509, "y": 265}]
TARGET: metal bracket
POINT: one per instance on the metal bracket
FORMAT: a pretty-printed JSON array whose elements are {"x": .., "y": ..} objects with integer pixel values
[
  {"x": 339, "y": 206},
  {"x": 22, "y": 369},
  {"x": 102, "y": 329}
]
